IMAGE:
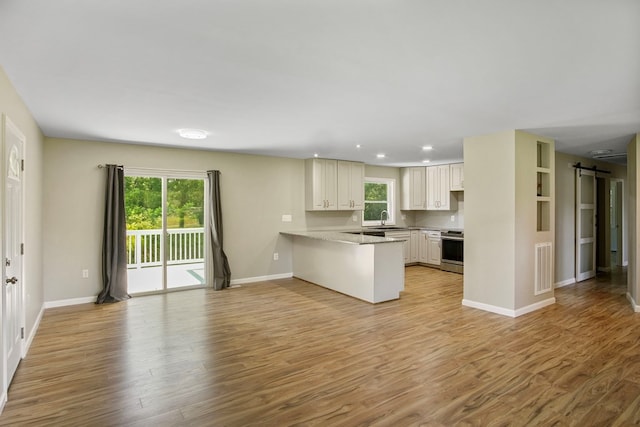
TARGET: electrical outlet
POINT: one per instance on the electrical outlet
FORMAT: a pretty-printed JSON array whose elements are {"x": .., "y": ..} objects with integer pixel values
[
  {"x": 453, "y": 218},
  {"x": 286, "y": 218},
  {"x": 355, "y": 218},
  {"x": 85, "y": 274},
  {"x": 275, "y": 256}
]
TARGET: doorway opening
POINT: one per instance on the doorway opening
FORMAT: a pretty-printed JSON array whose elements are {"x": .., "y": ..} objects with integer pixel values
[{"x": 165, "y": 215}]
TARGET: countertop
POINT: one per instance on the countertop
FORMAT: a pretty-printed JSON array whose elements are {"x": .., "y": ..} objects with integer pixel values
[{"x": 342, "y": 237}]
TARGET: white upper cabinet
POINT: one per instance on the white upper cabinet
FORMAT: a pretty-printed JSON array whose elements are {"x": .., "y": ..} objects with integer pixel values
[
  {"x": 350, "y": 186},
  {"x": 413, "y": 196},
  {"x": 439, "y": 196},
  {"x": 321, "y": 184},
  {"x": 457, "y": 177}
]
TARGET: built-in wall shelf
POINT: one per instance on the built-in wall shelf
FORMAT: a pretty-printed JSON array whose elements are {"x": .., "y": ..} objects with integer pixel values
[{"x": 543, "y": 186}]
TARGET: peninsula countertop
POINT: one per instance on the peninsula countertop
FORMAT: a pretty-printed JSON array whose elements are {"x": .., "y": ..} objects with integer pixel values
[{"x": 342, "y": 237}]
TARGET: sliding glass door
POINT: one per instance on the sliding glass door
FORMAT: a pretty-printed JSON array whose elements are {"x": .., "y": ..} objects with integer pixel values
[{"x": 165, "y": 232}]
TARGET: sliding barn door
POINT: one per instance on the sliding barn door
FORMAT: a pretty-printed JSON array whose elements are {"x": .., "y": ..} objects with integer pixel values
[{"x": 585, "y": 224}]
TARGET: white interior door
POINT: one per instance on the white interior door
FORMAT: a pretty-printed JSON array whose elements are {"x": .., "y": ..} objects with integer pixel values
[
  {"x": 585, "y": 224},
  {"x": 12, "y": 280}
]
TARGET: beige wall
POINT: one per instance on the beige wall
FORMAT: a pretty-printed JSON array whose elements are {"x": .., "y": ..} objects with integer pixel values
[
  {"x": 256, "y": 192},
  {"x": 565, "y": 211},
  {"x": 489, "y": 178},
  {"x": 633, "y": 287},
  {"x": 526, "y": 235},
  {"x": 14, "y": 108}
]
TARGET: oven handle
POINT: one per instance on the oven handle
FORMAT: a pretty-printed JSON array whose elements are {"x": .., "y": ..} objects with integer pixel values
[{"x": 452, "y": 238}]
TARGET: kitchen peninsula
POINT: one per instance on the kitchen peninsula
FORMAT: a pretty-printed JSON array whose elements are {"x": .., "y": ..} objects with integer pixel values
[{"x": 369, "y": 268}]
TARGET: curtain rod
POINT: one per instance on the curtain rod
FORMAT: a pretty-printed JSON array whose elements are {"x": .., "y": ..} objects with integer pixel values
[
  {"x": 101, "y": 166},
  {"x": 594, "y": 168}
]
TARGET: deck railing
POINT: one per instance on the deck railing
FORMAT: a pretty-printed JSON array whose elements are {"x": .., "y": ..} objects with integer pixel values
[{"x": 184, "y": 246}]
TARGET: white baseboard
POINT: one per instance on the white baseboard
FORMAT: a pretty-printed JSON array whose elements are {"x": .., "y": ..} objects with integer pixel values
[
  {"x": 261, "y": 278},
  {"x": 3, "y": 401},
  {"x": 488, "y": 307},
  {"x": 505, "y": 311},
  {"x": 32, "y": 333},
  {"x": 567, "y": 282},
  {"x": 66, "y": 302},
  {"x": 635, "y": 306}
]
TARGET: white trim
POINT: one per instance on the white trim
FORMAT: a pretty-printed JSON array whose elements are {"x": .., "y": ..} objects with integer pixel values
[
  {"x": 261, "y": 278},
  {"x": 391, "y": 201},
  {"x": 32, "y": 334},
  {"x": 66, "y": 302},
  {"x": 505, "y": 311},
  {"x": 488, "y": 307},
  {"x": 535, "y": 306},
  {"x": 636, "y": 307},
  {"x": 567, "y": 282},
  {"x": 3, "y": 401}
]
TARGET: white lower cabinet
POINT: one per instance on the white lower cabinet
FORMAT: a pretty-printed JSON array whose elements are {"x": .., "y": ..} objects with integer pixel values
[{"x": 433, "y": 250}]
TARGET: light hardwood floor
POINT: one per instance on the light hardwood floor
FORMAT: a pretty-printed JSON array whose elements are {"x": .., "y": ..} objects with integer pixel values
[{"x": 290, "y": 353}]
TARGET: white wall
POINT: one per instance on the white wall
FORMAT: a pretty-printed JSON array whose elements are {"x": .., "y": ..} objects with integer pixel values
[{"x": 12, "y": 105}]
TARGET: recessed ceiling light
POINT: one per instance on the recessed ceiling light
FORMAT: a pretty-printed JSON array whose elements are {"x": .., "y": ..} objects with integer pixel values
[
  {"x": 380, "y": 156},
  {"x": 193, "y": 133},
  {"x": 358, "y": 146},
  {"x": 427, "y": 148},
  {"x": 426, "y": 161},
  {"x": 315, "y": 154}
]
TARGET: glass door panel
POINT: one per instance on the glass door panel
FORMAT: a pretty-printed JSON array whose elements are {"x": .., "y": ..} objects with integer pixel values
[
  {"x": 143, "y": 215},
  {"x": 185, "y": 232}
]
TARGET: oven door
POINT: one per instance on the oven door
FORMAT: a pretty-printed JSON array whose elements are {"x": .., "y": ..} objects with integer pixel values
[{"x": 453, "y": 250}]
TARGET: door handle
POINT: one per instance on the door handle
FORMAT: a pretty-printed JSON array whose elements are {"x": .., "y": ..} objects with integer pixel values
[{"x": 12, "y": 280}]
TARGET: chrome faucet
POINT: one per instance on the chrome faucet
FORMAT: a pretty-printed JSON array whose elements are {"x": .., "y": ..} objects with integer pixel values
[{"x": 386, "y": 214}]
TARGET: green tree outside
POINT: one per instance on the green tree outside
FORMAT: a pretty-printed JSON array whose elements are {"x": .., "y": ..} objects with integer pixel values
[{"x": 375, "y": 200}]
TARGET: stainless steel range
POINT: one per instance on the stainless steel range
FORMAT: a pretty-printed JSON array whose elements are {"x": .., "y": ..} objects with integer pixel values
[{"x": 452, "y": 255}]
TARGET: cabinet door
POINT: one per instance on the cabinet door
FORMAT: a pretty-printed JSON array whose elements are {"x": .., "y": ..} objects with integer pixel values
[
  {"x": 457, "y": 177},
  {"x": 424, "y": 248},
  {"x": 356, "y": 173},
  {"x": 434, "y": 252},
  {"x": 443, "y": 188},
  {"x": 415, "y": 246},
  {"x": 320, "y": 184},
  {"x": 344, "y": 185},
  {"x": 413, "y": 192},
  {"x": 433, "y": 188},
  {"x": 331, "y": 183},
  {"x": 350, "y": 186}
]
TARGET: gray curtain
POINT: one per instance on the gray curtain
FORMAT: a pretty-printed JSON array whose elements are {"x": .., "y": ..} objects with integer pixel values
[
  {"x": 219, "y": 271},
  {"x": 114, "y": 251}
]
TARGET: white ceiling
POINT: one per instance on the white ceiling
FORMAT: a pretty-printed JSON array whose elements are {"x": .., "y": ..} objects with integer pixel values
[{"x": 297, "y": 77}]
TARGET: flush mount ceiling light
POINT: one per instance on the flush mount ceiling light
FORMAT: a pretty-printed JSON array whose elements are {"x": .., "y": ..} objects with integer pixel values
[
  {"x": 596, "y": 153},
  {"x": 380, "y": 156},
  {"x": 193, "y": 133},
  {"x": 426, "y": 161},
  {"x": 427, "y": 148}
]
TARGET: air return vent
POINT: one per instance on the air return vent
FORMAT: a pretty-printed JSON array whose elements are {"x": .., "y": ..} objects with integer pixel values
[{"x": 543, "y": 267}]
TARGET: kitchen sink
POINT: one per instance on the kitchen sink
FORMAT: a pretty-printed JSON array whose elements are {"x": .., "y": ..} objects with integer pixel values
[
  {"x": 379, "y": 233},
  {"x": 390, "y": 227}
]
